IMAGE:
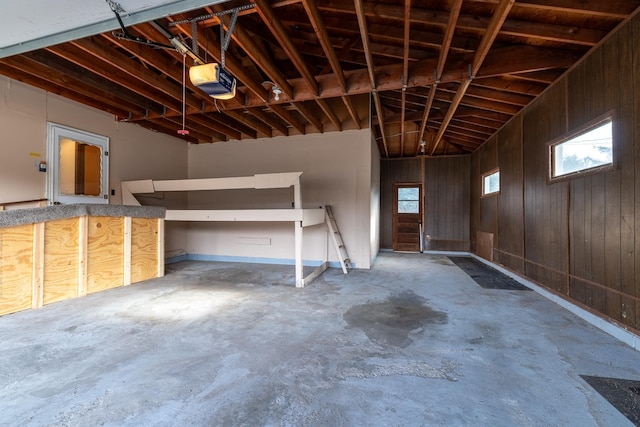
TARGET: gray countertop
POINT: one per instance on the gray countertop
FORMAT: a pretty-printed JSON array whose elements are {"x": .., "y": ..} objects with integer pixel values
[{"x": 50, "y": 213}]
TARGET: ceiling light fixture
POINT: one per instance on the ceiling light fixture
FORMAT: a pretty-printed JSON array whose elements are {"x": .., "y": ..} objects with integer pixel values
[{"x": 276, "y": 92}]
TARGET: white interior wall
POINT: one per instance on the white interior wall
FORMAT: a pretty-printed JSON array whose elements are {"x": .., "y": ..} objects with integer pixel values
[
  {"x": 336, "y": 170},
  {"x": 340, "y": 169},
  {"x": 374, "y": 207},
  {"x": 135, "y": 153}
]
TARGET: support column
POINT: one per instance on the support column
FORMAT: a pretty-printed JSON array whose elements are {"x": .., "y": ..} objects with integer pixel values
[{"x": 297, "y": 204}]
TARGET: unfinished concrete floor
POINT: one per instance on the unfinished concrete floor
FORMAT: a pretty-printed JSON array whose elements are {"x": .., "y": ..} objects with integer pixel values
[{"x": 413, "y": 341}]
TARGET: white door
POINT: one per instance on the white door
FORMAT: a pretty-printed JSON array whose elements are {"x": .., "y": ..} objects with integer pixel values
[{"x": 78, "y": 166}]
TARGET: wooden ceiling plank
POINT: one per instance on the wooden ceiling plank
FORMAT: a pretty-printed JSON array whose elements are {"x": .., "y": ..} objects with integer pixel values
[
  {"x": 482, "y": 93},
  {"x": 344, "y": 50},
  {"x": 236, "y": 120},
  {"x": 362, "y": 22},
  {"x": 309, "y": 116},
  {"x": 214, "y": 50},
  {"x": 257, "y": 125},
  {"x": 257, "y": 55},
  {"x": 199, "y": 127},
  {"x": 39, "y": 63},
  {"x": 278, "y": 31},
  {"x": 510, "y": 85},
  {"x": 175, "y": 73},
  {"x": 499, "y": 16},
  {"x": 168, "y": 127},
  {"x": 27, "y": 76},
  {"x": 164, "y": 63},
  {"x": 311, "y": 8},
  {"x": 110, "y": 73},
  {"x": 477, "y": 24},
  {"x": 270, "y": 121},
  {"x": 214, "y": 125},
  {"x": 103, "y": 53},
  {"x": 405, "y": 71},
  {"x": 352, "y": 111},
  {"x": 500, "y": 61},
  {"x": 454, "y": 13},
  {"x": 611, "y": 8},
  {"x": 539, "y": 76},
  {"x": 328, "y": 111},
  {"x": 289, "y": 118},
  {"x": 482, "y": 104}
]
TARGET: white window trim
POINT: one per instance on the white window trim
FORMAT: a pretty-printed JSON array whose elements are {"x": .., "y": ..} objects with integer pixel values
[
  {"x": 54, "y": 133},
  {"x": 484, "y": 176},
  {"x": 586, "y": 127}
]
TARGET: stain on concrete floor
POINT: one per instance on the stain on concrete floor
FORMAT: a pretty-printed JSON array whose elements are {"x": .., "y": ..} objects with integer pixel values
[{"x": 390, "y": 322}]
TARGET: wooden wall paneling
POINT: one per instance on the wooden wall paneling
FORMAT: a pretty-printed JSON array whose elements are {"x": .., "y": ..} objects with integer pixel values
[
  {"x": 462, "y": 192},
  {"x": 545, "y": 205},
  {"x": 105, "y": 261},
  {"x": 489, "y": 205},
  {"x": 556, "y": 234},
  {"x": 449, "y": 213},
  {"x": 586, "y": 90},
  {"x": 144, "y": 249},
  {"x": 620, "y": 275},
  {"x": 60, "y": 260},
  {"x": 594, "y": 88},
  {"x": 430, "y": 208},
  {"x": 578, "y": 239},
  {"x": 16, "y": 264},
  {"x": 447, "y": 203},
  {"x": 633, "y": 287},
  {"x": 386, "y": 204},
  {"x": 459, "y": 168},
  {"x": 475, "y": 186},
  {"x": 510, "y": 240},
  {"x": 618, "y": 80}
]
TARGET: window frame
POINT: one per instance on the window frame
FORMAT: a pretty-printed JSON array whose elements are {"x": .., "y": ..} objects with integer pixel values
[
  {"x": 483, "y": 178},
  {"x": 397, "y": 197},
  {"x": 574, "y": 133},
  {"x": 55, "y": 133}
]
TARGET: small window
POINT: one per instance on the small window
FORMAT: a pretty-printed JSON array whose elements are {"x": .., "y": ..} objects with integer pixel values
[
  {"x": 409, "y": 200},
  {"x": 590, "y": 149},
  {"x": 78, "y": 166},
  {"x": 491, "y": 183}
]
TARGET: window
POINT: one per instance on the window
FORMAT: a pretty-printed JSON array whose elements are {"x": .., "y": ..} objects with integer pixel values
[
  {"x": 409, "y": 200},
  {"x": 491, "y": 183},
  {"x": 591, "y": 148},
  {"x": 78, "y": 166}
]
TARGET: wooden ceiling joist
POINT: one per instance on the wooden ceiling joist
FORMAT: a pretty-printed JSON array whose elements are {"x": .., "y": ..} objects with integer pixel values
[
  {"x": 499, "y": 16},
  {"x": 449, "y": 72}
]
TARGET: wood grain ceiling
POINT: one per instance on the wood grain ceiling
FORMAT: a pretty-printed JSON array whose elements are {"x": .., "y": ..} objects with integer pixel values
[{"x": 446, "y": 72}]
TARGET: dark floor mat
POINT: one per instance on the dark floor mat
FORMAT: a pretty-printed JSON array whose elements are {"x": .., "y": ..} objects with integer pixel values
[
  {"x": 485, "y": 276},
  {"x": 624, "y": 395}
]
